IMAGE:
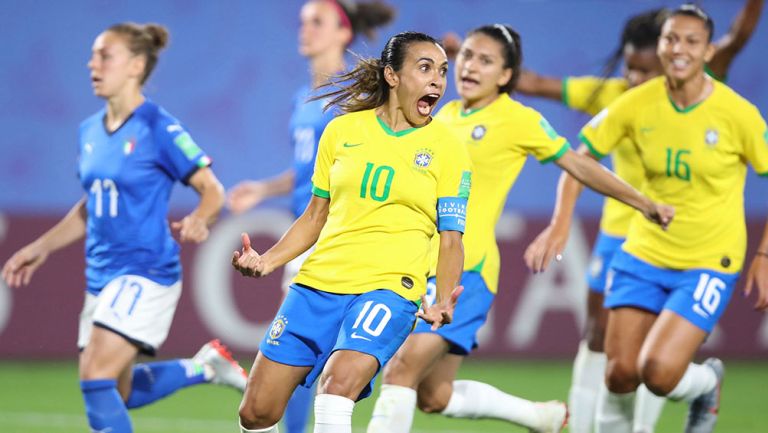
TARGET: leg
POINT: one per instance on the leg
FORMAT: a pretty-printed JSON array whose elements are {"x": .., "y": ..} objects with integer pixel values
[
  {"x": 106, "y": 358},
  {"x": 270, "y": 385},
  {"x": 626, "y": 331},
  {"x": 393, "y": 411},
  {"x": 298, "y": 409},
  {"x": 588, "y": 367},
  {"x": 344, "y": 377}
]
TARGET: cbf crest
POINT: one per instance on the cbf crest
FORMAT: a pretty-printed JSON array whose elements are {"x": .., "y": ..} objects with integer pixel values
[
  {"x": 423, "y": 158},
  {"x": 478, "y": 132},
  {"x": 277, "y": 329},
  {"x": 711, "y": 137}
]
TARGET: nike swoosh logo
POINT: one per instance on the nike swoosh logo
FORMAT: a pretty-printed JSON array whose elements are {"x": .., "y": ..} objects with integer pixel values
[
  {"x": 358, "y": 336},
  {"x": 352, "y": 145}
]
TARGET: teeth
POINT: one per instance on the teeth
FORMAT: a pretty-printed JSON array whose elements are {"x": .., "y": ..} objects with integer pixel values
[{"x": 680, "y": 63}]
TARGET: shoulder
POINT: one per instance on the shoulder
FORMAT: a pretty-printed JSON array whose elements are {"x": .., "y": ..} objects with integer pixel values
[
  {"x": 94, "y": 119},
  {"x": 449, "y": 110}
]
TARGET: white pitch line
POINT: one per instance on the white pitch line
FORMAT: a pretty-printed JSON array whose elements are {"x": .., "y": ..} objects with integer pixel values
[{"x": 60, "y": 421}]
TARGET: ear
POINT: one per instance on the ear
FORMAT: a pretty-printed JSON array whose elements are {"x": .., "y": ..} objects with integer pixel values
[
  {"x": 504, "y": 78},
  {"x": 711, "y": 49},
  {"x": 137, "y": 66},
  {"x": 391, "y": 76},
  {"x": 345, "y": 35}
]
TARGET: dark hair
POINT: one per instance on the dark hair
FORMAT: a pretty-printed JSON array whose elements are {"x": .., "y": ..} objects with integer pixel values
[
  {"x": 143, "y": 39},
  {"x": 512, "y": 48},
  {"x": 364, "y": 87},
  {"x": 692, "y": 10},
  {"x": 365, "y": 17}
]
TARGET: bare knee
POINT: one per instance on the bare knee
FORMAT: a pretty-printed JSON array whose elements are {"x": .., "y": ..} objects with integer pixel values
[
  {"x": 342, "y": 385},
  {"x": 431, "y": 402},
  {"x": 396, "y": 372},
  {"x": 257, "y": 416},
  {"x": 657, "y": 377},
  {"x": 621, "y": 376}
]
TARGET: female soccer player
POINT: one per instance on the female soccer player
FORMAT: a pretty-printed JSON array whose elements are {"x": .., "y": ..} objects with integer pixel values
[
  {"x": 386, "y": 179},
  {"x": 694, "y": 136},
  {"x": 590, "y": 95},
  {"x": 328, "y": 27},
  {"x": 499, "y": 133},
  {"x": 131, "y": 154}
]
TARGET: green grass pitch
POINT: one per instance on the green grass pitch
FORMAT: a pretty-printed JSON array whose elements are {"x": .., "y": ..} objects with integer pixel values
[{"x": 37, "y": 397}]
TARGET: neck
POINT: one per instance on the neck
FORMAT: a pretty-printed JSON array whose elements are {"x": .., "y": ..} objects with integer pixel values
[
  {"x": 120, "y": 107},
  {"x": 392, "y": 115},
  {"x": 685, "y": 93},
  {"x": 325, "y": 65},
  {"x": 477, "y": 104}
]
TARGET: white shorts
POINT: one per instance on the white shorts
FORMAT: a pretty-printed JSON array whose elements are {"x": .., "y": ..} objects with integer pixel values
[
  {"x": 134, "y": 307},
  {"x": 293, "y": 267}
]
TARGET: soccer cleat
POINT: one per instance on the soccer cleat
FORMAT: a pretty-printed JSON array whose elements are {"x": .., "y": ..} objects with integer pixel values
[
  {"x": 553, "y": 417},
  {"x": 226, "y": 371},
  {"x": 702, "y": 413}
]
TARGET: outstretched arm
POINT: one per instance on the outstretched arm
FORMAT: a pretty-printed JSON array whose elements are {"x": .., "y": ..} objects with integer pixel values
[
  {"x": 18, "y": 270},
  {"x": 757, "y": 276},
  {"x": 250, "y": 193},
  {"x": 729, "y": 46},
  {"x": 533, "y": 84}
]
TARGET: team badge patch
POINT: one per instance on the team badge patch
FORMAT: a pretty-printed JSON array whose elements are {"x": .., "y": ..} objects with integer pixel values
[
  {"x": 129, "y": 146},
  {"x": 596, "y": 266},
  {"x": 711, "y": 137},
  {"x": 278, "y": 326},
  {"x": 465, "y": 184},
  {"x": 478, "y": 132},
  {"x": 423, "y": 158},
  {"x": 187, "y": 145}
]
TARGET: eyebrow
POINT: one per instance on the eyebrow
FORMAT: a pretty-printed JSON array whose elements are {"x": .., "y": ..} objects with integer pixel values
[{"x": 426, "y": 59}]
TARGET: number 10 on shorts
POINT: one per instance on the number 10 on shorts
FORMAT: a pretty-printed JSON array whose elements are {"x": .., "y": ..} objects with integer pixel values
[
  {"x": 708, "y": 295},
  {"x": 368, "y": 317}
]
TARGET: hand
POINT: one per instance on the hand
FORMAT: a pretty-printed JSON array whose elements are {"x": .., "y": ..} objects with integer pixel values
[
  {"x": 247, "y": 261},
  {"x": 758, "y": 276},
  {"x": 549, "y": 244},
  {"x": 451, "y": 45},
  {"x": 18, "y": 270},
  {"x": 191, "y": 229},
  {"x": 661, "y": 214},
  {"x": 246, "y": 195},
  {"x": 440, "y": 313}
]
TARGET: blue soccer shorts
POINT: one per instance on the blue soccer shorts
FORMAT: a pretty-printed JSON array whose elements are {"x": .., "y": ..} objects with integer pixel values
[
  {"x": 698, "y": 295},
  {"x": 605, "y": 248},
  {"x": 470, "y": 314},
  {"x": 312, "y": 324}
]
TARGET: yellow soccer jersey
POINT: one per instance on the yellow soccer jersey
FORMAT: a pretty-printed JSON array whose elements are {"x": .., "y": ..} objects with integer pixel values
[
  {"x": 590, "y": 95},
  {"x": 383, "y": 189},
  {"x": 499, "y": 137},
  {"x": 694, "y": 159}
]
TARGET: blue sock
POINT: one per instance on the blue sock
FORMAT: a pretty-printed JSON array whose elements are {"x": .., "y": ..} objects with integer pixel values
[
  {"x": 298, "y": 410},
  {"x": 153, "y": 381},
  {"x": 104, "y": 407}
]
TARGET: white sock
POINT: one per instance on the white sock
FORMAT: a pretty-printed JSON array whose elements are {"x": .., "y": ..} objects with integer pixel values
[
  {"x": 393, "y": 412},
  {"x": 472, "y": 399},
  {"x": 648, "y": 408},
  {"x": 697, "y": 380},
  {"x": 333, "y": 414},
  {"x": 588, "y": 377},
  {"x": 272, "y": 429},
  {"x": 614, "y": 412}
]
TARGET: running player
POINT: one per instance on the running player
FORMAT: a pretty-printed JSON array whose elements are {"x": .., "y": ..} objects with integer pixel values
[
  {"x": 694, "y": 136},
  {"x": 131, "y": 154},
  {"x": 499, "y": 134},
  {"x": 328, "y": 27},
  {"x": 386, "y": 179},
  {"x": 590, "y": 95}
]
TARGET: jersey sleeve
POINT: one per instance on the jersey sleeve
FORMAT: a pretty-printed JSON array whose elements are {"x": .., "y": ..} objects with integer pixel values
[
  {"x": 606, "y": 130},
  {"x": 754, "y": 138},
  {"x": 542, "y": 141},
  {"x": 591, "y": 94},
  {"x": 179, "y": 154},
  {"x": 321, "y": 179},
  {"x": 453, "y": 187}
]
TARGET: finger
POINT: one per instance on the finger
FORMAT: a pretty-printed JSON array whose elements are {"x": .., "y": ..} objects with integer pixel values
[
  {"x": 748, "y": 287},
  {"x": 246, "y": 241},
  {"x": 235, "y": 258},
  {"x": 26, "y": 276},
  {"x": 176, "y": 225},
  {"x": 424, "y": 303},
  {"x": 425, "y": 317},
  {"x": 455, "y": 295}
]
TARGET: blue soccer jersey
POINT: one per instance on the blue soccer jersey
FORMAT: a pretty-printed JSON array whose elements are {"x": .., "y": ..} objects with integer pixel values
[
  {"x": 128, "y": 175},
  {"x": 307, "y": 124}
]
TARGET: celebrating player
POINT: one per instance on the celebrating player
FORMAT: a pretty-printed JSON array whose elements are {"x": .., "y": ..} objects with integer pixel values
[
  {"x": 499, "y": 134},
  {"x": 386, "y": 179},
  {"x": 131, "y": 154},
  {"x": 694, "y": 136},
  {"x": 327, "y": 29},
  {"x": 590, "y": 95}
]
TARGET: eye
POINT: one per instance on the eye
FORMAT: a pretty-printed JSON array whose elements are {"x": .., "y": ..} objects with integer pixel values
[
  {"x": 424, "y": 67},
  {"x": 486, "y": 61},
  {"x": 443, "y": 71}
]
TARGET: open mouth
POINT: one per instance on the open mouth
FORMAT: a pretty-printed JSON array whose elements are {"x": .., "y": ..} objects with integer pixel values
[
  {"x": 469, "y": 81},
  {"x": 426, "y": 103}
]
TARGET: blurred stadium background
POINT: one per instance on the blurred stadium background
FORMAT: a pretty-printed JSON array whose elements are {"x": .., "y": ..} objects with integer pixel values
[{"x": 229, "y": 75}]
